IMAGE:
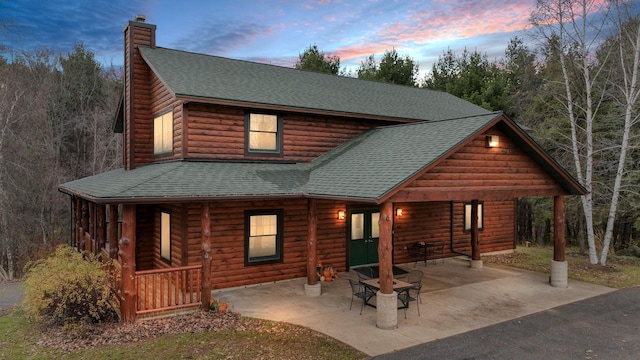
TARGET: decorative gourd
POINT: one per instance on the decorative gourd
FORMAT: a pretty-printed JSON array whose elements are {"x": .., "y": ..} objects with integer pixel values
[{"x": 327, "y": 274}]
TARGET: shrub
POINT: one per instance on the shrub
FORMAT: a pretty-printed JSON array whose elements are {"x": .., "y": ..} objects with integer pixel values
[{"x": 65, "y": 288}]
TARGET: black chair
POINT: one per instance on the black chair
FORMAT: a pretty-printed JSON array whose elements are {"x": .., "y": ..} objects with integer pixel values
[
  {"x": 360, "y": 291},
  {"x": 415, "y": 279},
  {"x": 406, "y": 296}
]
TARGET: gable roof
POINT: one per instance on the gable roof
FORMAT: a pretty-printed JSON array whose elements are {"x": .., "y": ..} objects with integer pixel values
[
  {"x": 364, "y": 169},
  {"x": 213, "y": 78}
]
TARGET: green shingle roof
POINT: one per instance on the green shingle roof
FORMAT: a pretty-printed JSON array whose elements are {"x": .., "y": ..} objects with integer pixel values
[
  {"x": 384, "y": 158},
  {"x": 212, "y": 77},
  {"x": 192, "y": 179},
  {"x": 364, "y": 168}
]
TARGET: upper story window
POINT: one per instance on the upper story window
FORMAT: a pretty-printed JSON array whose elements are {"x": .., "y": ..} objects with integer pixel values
[
  {"x": 263, "y": 134},
  {"x": 163, "y": 134}
]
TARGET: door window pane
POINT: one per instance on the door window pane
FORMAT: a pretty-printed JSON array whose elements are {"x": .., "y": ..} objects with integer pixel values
[
  {"x": 375, "y": 226},
  {"x": 357, "y": 226}
]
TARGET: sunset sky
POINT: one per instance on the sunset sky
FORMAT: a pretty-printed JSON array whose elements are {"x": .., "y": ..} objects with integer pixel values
[{"x": 272, "y": 31}]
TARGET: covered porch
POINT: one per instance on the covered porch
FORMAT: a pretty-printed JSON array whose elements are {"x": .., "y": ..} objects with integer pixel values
[{"x": 455, "y": 299}]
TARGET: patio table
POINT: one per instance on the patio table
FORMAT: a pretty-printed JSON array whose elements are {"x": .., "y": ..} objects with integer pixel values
[{"x": 399, "y": 286}]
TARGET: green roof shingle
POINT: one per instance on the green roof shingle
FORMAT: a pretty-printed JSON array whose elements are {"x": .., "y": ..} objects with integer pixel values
[{"x": 213, "y": 77}]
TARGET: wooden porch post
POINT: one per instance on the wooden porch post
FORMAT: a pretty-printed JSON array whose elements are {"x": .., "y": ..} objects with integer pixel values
[
  {"x": 475, "y": 241},
  {"x": 559, "y": 269},
  {"x": 92, "y": 229},
  {"x": 312, "y": 287},
  {"x": 77, "y": 233},
  {"x": 206, "y": 256},
  {"x": 128, "y": 303},
  {"x": 387, "y": 299},
  {"x": 84, "y": 220},
  {"x": 101, "y": 223},
  {"x": 476, "y": 259},
  {"x": 112, "y": 231},
  {"x": 384, "y": 248},
  {"x": 558, "y": 229}
]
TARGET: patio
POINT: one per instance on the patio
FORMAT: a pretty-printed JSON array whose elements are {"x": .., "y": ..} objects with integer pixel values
[{"x": 455, "y": 299}]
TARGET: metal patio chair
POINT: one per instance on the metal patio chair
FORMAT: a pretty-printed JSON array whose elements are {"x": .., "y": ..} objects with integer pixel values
[
  {"x": 360, "y": 291},
  {"x": 415, "y": 279}
]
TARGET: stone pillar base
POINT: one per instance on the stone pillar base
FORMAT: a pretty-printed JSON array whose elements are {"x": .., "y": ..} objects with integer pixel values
[
  {"x": 559, "y": 274},
  {"x": 387, "y": 310},
  {"x": 313, "y": 290},
  {"x": 475, "y": 264}
]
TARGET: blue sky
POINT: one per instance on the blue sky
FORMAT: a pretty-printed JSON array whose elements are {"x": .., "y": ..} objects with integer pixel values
[{"x": 271, "y": 31}]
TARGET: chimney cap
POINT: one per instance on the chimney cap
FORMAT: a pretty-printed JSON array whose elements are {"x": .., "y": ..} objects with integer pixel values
[{"x": 140, "y": 18}]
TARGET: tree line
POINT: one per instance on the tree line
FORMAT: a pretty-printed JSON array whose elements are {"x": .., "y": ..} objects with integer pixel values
[{"x": 56, "y": 117}]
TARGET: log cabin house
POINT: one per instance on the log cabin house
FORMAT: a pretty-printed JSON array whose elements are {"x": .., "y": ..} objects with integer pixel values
[{"x": 238, "y": 173}]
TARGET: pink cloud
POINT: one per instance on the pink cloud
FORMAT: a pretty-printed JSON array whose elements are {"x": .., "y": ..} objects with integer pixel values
[{"x": 460, "y": 19}]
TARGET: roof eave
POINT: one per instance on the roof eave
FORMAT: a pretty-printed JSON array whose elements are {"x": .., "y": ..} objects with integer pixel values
[{"x": 275, "y": 107}]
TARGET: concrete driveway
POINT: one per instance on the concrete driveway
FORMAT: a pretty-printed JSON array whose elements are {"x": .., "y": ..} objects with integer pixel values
[
  {"x": 601, "y": 327},
  {"x": 456, "y": 299}
]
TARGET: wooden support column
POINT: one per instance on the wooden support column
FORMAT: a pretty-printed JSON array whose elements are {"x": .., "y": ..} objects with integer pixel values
[
  {"x": 559, "y": 243},
  {"x": 312, "y": 239},
  {"x": 92, "y": 229},
  {"x": 127, "y": 245},
  {"x": 84, "y": 220},
  {"x": 312, "y": 287},
  {"x": 205, "y": 290},
  {"x": 112, "y": 231},
  {"x": 386, "y": 298},
  {"x": 77, "y": 232},
  {"x": 101, "y": 230},
  {"x": 475, "y": 241},
  {"x": 559, "y": 267},
  {"x": 384, "y": 248}
]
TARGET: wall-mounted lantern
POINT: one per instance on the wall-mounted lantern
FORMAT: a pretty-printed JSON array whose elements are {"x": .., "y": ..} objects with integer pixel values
[{"x": 340, "y": 214}]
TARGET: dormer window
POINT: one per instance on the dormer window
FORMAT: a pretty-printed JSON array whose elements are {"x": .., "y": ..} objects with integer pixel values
[
  {"x": 163, "y": 134},
  {"x": 263, "y": 134}
]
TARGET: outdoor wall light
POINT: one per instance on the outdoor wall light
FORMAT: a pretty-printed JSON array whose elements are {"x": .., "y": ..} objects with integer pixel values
[
  {"x": 340, "y": 214},
  {"x": 399, "y": 212},
  {"x": 493, "y": 141}
]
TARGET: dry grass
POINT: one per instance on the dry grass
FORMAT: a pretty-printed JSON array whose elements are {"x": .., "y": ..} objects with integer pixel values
[
  {"x": 620, "y": 271},
  {"x": 202, "y": 335}
]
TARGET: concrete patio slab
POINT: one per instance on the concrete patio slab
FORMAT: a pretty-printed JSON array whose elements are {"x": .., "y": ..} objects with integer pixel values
[{"x": 456, "y": 299}]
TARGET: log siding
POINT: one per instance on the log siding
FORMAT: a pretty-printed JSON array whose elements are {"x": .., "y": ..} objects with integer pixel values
[
  {"x": 478, "y": 172},
  {"x": 218, "y": 132}
]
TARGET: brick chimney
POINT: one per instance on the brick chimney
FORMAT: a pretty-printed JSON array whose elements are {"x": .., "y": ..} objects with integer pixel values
[{"x": 136, "y": 117}]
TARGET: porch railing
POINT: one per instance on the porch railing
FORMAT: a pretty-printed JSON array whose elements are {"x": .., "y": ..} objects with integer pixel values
[{"x": 168, "y": 289}]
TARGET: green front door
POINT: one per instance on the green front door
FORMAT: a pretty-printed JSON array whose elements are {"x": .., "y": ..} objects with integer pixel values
[{"x": 364, "y": 234}]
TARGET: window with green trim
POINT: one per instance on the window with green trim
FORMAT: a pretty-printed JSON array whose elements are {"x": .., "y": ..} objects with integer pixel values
[
  {"x": 263, "y": 236},
  {"x": 263, "y": 134}
]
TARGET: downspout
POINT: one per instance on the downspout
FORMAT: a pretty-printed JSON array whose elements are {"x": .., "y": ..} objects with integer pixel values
[{"x": 451, "y": 248}]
